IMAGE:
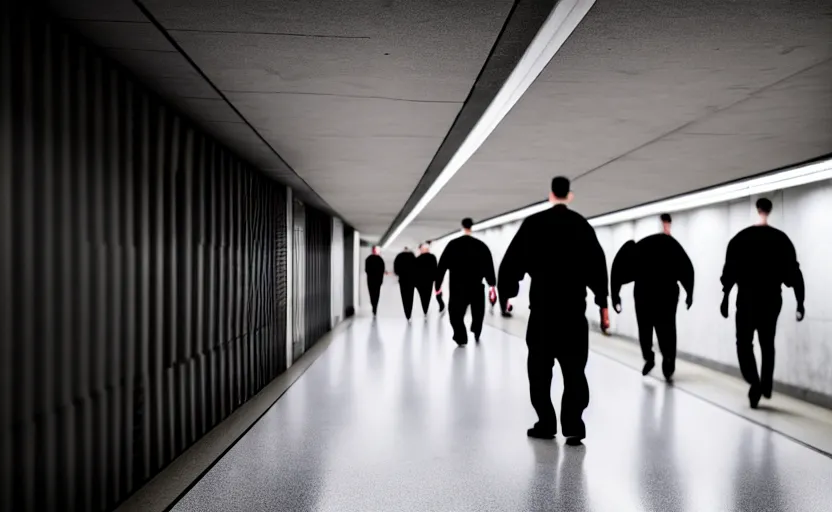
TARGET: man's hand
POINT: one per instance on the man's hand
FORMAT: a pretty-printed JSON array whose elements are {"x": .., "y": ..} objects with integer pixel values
[
  {"x": 689, "y": 302},
  {"x": 616, "y": 304},
  {"x": 438, "y": 292},
  {"x": 801, "y": 312},
  {"x": 723, "y": 308},
  {"x": 605, "y": 320}
]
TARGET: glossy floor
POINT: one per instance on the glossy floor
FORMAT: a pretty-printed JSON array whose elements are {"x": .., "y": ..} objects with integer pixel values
[{"x": 395, "y": 417}]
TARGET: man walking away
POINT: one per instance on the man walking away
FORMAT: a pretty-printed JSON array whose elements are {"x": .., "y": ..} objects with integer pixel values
[
  {"x": 656, "y": 264},
  {"x": 374, "y": 268},
  {"x": 426, "y": 266},
  {"x": 405, "y": 267},
  {"x": 759, "y": 260},
  {"x": 560, "y": 252},
  {"x": 469, "y": 261}
]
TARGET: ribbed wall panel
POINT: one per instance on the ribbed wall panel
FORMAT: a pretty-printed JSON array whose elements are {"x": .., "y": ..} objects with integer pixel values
[
  {"x": 349, "y": 269},
  {"x": 143, "y": 273},
  {"x": 318, "y": 305}
]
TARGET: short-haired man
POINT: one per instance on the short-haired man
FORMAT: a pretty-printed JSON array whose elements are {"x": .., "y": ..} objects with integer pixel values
[
  {"x": 559, "y": 250},
  {"x": 374, "y": 267},
  {"x": 469, "y": 261},
  {"x": 404, "y": 266},
  {"x": 656, "y": 264},
  {"x": 759, "y": 260},
  {"x": 426, "y": 266}
]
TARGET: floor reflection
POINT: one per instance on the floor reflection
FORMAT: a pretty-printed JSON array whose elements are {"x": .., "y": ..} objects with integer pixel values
[
  {"x": 558, "y": 481},
  {"x": 658, "y": 475},
  {"x": 757, "y": 486}
]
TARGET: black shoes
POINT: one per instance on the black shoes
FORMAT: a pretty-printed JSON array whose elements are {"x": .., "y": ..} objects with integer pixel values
[
  {"x": 545, "y": 434},
  {"x": 539, "y": 433},
  {"x": 767, "y": 393},
  {"x": 648, "y": 366},
  {"x": 754, "y": 395}
]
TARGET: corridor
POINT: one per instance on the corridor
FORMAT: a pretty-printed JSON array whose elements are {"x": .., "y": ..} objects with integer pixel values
[{"x": 395, "y": 417}]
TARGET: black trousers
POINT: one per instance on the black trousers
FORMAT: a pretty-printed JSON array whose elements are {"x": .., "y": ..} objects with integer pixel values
[
  {"x": 565, "y": 339},
  {"x": 374, "y": 286},
  {"x": 407, "y": 288},
  {"x": 425, "y": 290},
  {"x": 657, "y": 311},
  {"x": 758, "y": 315},
  {"x": 461, "y": 299}
]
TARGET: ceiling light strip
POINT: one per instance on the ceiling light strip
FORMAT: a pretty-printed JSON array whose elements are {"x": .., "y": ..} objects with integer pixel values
[
  {"x": 555, "y": 30},
  {"x": 789, "y": 178}
]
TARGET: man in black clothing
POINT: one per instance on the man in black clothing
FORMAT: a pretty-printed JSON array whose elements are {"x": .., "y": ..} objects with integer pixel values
[
  {"x": 374, "y": 268},
  {"x": 559, "y": 250},
  {"x": 469, "y": 261},
  {"x": 656, "y": 264},
  {"x": 425, "y": 276},
  {"x": 759, "y": 260},
  {"x": 404, "y": 266}
]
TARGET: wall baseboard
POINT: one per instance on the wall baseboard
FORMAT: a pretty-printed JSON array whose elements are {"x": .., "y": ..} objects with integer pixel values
[
  {"x": 173, "y": 482},
  {"x": 807, "y": 395}
]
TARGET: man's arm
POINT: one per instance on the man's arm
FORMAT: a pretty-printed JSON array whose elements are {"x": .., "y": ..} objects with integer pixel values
[
  {"x": 793, "y": 276},
  {"x": 621, "y": 271},
  {"x": 729, "y": 270},
  {"x": 513, "y": 267},
  {"x": 597, "y": 277},
  {"x": 442, "y": 266},
  {"x": 433, "y": 266},
  {"x": 729, "y": 274},
  {"x": 686, "y": 273},
  {"x": 488, "y": 264}
]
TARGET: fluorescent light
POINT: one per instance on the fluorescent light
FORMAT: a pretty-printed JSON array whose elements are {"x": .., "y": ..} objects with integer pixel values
[
  {"x": 776, "y": 181},
  {"x": 555, "y": 30},
  {"x": 789, "y": 178}
]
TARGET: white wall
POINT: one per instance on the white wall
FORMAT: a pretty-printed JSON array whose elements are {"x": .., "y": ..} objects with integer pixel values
[{"x": 804, "y": 350}]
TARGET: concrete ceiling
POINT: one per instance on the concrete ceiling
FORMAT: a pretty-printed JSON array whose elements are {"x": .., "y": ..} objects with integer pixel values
[
  {"x": 346, "y": 100},
  {"x": 358, "y": 104},
  {"x": 652, "y": 98}
]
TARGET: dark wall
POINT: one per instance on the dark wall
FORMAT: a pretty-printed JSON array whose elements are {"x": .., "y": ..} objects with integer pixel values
[
  {"x": 349, "y": 262},
  {"x": 143, "y": 272},
  {"x": 318, "y": 275}
]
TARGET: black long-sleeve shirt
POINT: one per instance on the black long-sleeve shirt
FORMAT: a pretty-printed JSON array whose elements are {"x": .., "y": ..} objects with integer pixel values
[
  {"x": 426, "y": 266},
  {"x": 559, "y": 250},
  {"x": 469, "y": 261},
  {"x": 404, "y": 266},
  {"x": 656, "y": 263},
  {"x": 374, "y": 267},
  {"x": 759, "y": 260}
]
